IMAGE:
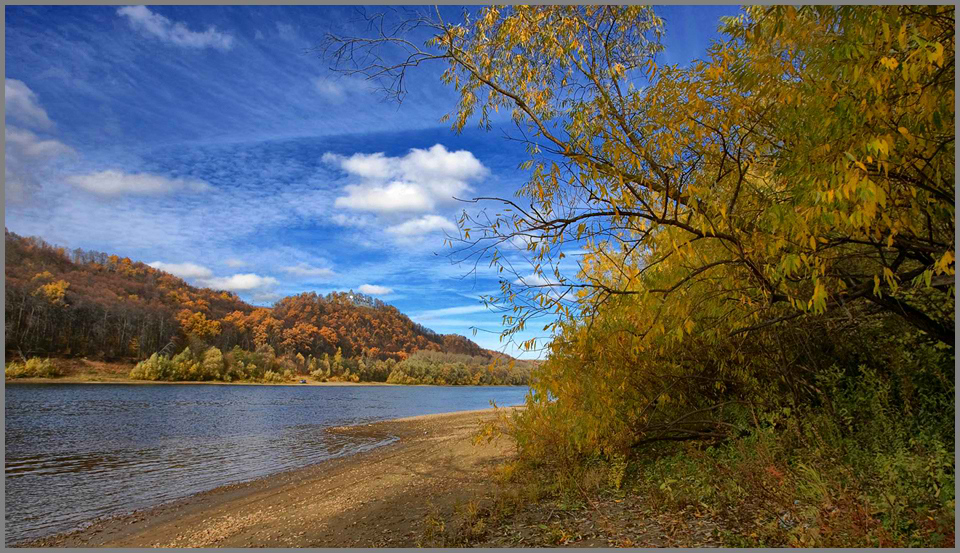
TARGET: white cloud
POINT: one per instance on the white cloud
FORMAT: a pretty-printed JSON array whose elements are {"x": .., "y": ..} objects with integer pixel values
[
  {"x": 32, "y": 146},
  {"x": 522, "y": 242},
  {"x": 374, "y": 289},
  {"x": 174, "y": 32},
  {"x": 22, "y": 106},
  {"x": 183, "y": 270},
  {"x": 302, "y": 269},
  {"x": 234, "y": 262},
  {"x": 462, "y": 326},
  {"x": 260, "y": 286},
  {"x": 28, "y": 157},
  {"x": 433, "y": 314},
  {"x": 265, "y": 297},
  {"x": 437, "y": 165},
  {"x": 330, "y": 89},
  {"x": 286, "y": 31},
  {"x": 416, "y": 182},
  {"x": 341, "y": 88},
  {"x": 534, "y": 279},
  {"x": 117, "y": 183},
  {"x": 354, "y": 220},
  {"x": 393, "y": 197},
  {"x": 240, "y": 282},
  {"x": 421, "y": 226},
  {"x": 258, "y": 35}
]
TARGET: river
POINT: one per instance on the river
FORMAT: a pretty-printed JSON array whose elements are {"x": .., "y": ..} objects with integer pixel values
[{"x": 77, "y": 452}]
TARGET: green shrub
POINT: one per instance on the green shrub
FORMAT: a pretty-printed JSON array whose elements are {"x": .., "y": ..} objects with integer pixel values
[
  {"x": 275, "y": 377},
  {"x": 213, "y": 365},
  {"x": 157, "y": 367},
  {"x": 186, "y": 366}
]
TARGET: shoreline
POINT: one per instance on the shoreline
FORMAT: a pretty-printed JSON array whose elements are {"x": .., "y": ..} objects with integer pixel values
[
  {"x": 377, "y": 497},
  {"x": 78, "y": 380}
]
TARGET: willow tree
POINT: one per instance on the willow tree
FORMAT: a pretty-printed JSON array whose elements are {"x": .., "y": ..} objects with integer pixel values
[{"x": 804, "y": 167}]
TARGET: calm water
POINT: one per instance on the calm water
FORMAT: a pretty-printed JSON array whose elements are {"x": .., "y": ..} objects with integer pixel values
[{"x": 76, "y": 452}]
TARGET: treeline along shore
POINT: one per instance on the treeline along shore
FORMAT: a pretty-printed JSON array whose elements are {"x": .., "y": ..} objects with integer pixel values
[{"x": 64, "y": 305}]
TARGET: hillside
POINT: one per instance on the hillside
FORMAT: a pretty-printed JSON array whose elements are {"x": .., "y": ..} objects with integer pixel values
[{"x": 90, "y": 304}]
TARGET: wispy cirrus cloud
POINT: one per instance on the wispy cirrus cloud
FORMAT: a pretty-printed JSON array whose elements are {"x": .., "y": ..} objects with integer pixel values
[
  {"x": 183, "y": 270},
  {"x": 416, "y": 228},
  {"x": 262, "y": 289},
  {"x": 243, "y": 282},
  {"x": 118, "y": 183},
  {"x": 533, "y": 279},
  {"x": 432, "y": 314},
  {"x": 374, "y": 289},
  {"x": 23, "y": 106},
  {"x": 305, "y": 270},
  {"x": 29, "y": 156},
  {"x": 174, "y": 32},
  {"x": 204, "y": 276},
  {"x": 287, "y": 32},
  {"x": 338, "y": 89}
]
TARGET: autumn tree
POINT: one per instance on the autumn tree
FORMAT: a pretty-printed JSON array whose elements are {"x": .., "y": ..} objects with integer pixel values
[
  {"x": 300, "y": 337},
  {"x": 195, "y": 323},
  {"x": 102, "y": 311},
  {"x": 804, "y": 169},
  {"x": 737, "y": 157},
  {"x": 54, "y": 292}
]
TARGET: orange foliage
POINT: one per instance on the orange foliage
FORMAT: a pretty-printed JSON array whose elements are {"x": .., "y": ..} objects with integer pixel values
[
  {"x": 197, "y": 324},
  {"x": 54, "y": 292}
]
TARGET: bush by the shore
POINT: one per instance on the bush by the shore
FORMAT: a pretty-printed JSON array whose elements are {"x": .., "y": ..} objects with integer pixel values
[
  {"x": 865, "y": 459},
  {"x": 33, "y": 368},
  {"x": 199, "y": 362},
  {"x": 209, "y": 364},
  {"x": 434, "y": 367}
]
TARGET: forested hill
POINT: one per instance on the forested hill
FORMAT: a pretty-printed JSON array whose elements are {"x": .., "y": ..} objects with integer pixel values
[{"x": 82, "y": 303}]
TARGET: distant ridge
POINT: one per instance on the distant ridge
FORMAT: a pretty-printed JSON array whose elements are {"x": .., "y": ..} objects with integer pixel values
[{"x": 77, "y": 303}]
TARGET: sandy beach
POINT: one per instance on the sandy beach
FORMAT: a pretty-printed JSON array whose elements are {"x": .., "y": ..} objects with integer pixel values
[{"x": 372, "y": 499}]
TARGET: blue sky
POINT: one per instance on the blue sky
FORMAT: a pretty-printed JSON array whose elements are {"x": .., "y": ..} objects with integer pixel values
[{"x": 207, "y": 141}]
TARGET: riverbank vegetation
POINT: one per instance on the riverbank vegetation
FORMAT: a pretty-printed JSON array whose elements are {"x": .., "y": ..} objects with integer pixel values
[
  {"x": 431, "y": 367},
  {"x": 761, "y": 323},
  {"x": 207, "y": 363},
  {"x": 33, "y": 368},
  {"x": 89, "y": 305},
  {"x": 200, "y": 362}
]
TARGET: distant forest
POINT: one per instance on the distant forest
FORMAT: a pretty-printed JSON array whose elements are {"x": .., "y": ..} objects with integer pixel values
[{"x": 76, "y": 303}]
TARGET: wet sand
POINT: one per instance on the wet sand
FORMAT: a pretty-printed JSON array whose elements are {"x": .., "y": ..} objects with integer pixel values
[{"x": 372, "y": 499}]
